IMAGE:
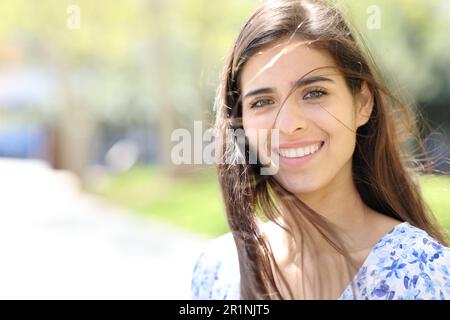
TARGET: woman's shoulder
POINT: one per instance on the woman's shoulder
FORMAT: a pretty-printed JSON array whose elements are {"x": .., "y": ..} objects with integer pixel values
[
  {"x": 406, "y": 241},
  {"x": 216, "y": 271},
  {"x": 407, "y": 263}
]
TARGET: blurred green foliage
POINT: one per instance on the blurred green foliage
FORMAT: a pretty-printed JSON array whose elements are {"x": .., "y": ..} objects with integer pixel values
[
  {"x": 114, "y": 63},
  {"x": 191, "y": 201},
  {"x": 436, "y": 191}
]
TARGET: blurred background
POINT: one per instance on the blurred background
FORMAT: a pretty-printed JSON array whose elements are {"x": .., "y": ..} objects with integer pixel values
[{"x": 90, "y": 92}]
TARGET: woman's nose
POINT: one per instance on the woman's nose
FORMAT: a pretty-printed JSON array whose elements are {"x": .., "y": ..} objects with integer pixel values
[{"x": 290, "y": 118}]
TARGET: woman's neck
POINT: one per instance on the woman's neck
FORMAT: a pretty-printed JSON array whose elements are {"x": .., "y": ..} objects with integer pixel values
[
  {"x": 339, "y": 202},
  {"x": 358, "y": 225}
]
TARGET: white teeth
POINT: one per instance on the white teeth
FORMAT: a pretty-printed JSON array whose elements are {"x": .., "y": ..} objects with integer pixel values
[
  {"x": 299, "y": 152},
  {"x": 307, "y": 150}
]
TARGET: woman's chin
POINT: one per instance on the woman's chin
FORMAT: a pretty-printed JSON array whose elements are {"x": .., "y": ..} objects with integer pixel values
[{"x": 299, "y": 186}]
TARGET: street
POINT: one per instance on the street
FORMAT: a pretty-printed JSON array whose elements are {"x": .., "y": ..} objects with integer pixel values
[{"x": 59, "y": 243}]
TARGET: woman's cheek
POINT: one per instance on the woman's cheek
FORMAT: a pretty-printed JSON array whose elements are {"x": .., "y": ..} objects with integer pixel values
[{"x": 257, "y": 128}]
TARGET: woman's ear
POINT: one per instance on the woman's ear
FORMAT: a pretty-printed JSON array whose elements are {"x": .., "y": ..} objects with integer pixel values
[{"x": 364, "y": 105}]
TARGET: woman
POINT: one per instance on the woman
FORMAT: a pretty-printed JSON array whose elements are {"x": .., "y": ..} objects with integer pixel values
[{"x": 343, "y": 216}]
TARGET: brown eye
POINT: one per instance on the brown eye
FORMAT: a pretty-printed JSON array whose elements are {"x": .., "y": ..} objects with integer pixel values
[{"x": 261, "y": 103}]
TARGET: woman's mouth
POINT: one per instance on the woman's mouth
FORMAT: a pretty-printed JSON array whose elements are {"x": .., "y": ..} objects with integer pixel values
[{"x": 300, "y": 155}]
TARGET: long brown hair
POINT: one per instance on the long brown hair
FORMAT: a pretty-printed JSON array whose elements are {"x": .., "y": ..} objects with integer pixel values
[{"x": 383, "y": 167}]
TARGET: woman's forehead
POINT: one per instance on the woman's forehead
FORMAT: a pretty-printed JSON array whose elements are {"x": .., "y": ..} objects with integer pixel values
[{"x": 283, "y": 63}]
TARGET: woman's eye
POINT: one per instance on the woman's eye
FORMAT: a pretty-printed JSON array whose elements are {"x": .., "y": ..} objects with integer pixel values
[
  {"x": 314, "y": 94},
  {"x": 260, "y": 103}
]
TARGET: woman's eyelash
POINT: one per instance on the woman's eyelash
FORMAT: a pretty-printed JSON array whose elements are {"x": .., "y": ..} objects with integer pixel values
[
  {"x": 255, "y": 104},
  {"x": 314, "y": 94}
]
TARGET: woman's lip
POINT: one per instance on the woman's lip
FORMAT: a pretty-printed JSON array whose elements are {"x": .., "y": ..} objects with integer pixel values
[
  {"x": 298, "y": 144},
  {"x": 299, "y": 161}
]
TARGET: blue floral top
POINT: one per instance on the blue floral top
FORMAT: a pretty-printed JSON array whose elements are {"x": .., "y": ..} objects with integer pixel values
[{"x": 406, "y": 263}]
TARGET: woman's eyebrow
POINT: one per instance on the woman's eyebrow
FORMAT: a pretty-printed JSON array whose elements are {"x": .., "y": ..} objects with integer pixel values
[
  {"x": 299, "y": 83},
  {"x": 308, "y": 80}
]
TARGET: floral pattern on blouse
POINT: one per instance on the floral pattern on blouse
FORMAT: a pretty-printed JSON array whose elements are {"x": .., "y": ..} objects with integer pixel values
[{"x": 406, "y": 264}]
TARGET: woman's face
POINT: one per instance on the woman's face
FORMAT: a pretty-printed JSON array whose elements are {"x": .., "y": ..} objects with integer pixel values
[{"x": 317, "y": 121}]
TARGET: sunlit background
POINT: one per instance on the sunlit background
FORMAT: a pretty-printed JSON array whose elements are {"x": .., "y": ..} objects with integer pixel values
[{"x": 90, "y": 92}]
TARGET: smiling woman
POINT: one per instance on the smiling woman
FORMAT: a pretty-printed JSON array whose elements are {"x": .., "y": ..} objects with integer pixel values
[{"x": 343, "y": 216}]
